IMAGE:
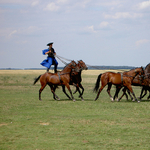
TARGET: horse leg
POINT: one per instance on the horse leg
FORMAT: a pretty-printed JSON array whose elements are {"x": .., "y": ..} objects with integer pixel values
[
  {"x": 118, "y": 88},
  {"x": 77, "y": 88},
  {"x": 68, "y": 87},
  {"x": 142, "y": 95},
  {"x": 101, "y": 88},
  {"x": 80, "y": 85},
  {"x": 149, "y": 94},
  {"x": 54, "y": 95},
  {"x": 124, "y": 93},
  {"x": 80, "y": 94},
  {"x": 63, "y": 88},
  {"x": 43, "y": 85},
  {"x": 53, "y": 88},
  {"x": 129, "y": 94},
  {"x": 131, "y": 90},
  {"x": 108, "y": 91}
]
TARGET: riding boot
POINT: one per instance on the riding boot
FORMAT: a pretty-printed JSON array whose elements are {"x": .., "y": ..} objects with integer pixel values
[
  {"x": 55, "y": 69},
  {"x": 47, "y": 69}
]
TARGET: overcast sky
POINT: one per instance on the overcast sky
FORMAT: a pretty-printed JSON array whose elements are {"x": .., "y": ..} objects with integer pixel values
[{"x": 100, "y": 32}]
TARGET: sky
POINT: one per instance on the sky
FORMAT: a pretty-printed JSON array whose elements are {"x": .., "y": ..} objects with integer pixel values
[{"x": 99, "y": 32}]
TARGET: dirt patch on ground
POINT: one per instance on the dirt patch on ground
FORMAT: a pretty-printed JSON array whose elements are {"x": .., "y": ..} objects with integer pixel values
[
  {"x": 3, "y": 124},
  {"x": 44, "y": 123}
]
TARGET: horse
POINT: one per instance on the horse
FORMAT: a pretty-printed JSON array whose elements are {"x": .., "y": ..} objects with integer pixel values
[
  {"x": 76, "y": 79},
  {"x": 143, "y": 81},
  {"x": 118, "y": 79},
  {"x": 60, "y": 78},
  {"x": 147, "y": 87},
  {"x": 139, "y": 80}
]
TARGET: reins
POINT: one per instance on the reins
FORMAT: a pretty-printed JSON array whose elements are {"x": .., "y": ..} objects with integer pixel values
[{"x": 60, "y": 58}]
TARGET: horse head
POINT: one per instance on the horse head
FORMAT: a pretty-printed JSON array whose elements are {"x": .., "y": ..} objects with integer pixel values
[
  {"x": 74, "y": 66},
  {"x": 82, "y": 65},
  {"x": 140, "y": 71}
]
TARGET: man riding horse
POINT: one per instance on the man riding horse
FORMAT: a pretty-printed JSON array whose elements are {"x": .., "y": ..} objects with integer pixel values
[{"x": 50, "y": 58}]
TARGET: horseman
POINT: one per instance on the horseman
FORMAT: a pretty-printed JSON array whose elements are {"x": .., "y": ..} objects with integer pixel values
[{"x": 50, "y": 58}]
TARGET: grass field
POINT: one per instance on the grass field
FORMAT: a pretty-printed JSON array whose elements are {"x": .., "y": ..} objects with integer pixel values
[{"x": 27, "y": 123}]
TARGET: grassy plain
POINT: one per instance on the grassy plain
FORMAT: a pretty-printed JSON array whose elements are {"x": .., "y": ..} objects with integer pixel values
[{"x": 27, "y": 123}]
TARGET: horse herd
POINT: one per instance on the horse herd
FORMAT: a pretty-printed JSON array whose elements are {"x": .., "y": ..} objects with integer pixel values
[{"x": 71, "y": 75}]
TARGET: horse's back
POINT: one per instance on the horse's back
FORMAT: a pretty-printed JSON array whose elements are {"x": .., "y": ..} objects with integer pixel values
[
  {"x": 48, "y": 77},
  {"x": 112, "y": 77}
]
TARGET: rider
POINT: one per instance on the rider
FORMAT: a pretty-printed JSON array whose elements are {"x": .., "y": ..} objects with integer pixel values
[{"x": 50, "y": 58}]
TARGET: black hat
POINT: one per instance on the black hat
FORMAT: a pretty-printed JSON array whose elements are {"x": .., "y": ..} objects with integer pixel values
[{"x": 49, "y": 44}]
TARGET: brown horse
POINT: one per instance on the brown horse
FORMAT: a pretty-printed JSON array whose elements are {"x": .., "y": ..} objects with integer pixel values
[
  {"x": 118, "y": 80},
  {"x": 147, "y": 77},
  {"x": 60, "y": 78},
  {"x": 139, "y": 80},
  {"x": 76, "y": 79},
  {"x": 143, "y": 81}
]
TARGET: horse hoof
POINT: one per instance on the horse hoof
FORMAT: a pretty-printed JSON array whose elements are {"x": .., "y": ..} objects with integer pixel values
[
  {"x": 82, "y": 99},
  {"x": 74, "y": 100},
  {"x": 112, "y": 99},
  {"x": 138, "y": 101}
]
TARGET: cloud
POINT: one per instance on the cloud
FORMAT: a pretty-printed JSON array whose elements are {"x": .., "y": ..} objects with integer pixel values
[
  {"x": 52, "y": 7},
  {"x": 13, "y": 32},
  {"x": 31, "y": 30},
  {"x": 144, "y": 4},
  {"x": 103, "y": 24},
  {"x": 34, "y": 3},
  {"x": 141, "y": 42},
  {"x": 89, "y": 29},
  {"x": 62, "y": 1},
  {"x": 123, "y": 15}
]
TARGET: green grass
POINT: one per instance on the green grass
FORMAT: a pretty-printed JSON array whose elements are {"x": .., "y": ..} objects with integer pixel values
[{"x": 27, "y": 123}]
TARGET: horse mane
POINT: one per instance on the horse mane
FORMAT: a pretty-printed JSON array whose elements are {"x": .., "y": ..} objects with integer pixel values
[
  {"x": 134, "y": 69},
  {"x": 66, "y": 65},
  {"x": 147, "y": 68},
  {"x": 148, "y": 65}
]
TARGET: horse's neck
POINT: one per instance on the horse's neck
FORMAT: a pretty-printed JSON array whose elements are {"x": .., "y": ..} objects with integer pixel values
[
  {"x": 67, "y": 69},
  {"x": 131, "y": 73}
]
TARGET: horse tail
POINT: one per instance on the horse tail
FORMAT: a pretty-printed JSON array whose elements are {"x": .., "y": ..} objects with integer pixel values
[
  {"x": 36, "y": 79},
  {"x": 97, "y": 83}
]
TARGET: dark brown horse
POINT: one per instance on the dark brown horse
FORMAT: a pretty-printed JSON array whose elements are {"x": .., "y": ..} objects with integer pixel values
[
  {"x": 117, "y": 79},
  {"x": 76, "y": 79},
  {"x": 147, "y": 78},
  {"x": 143, "y": 81},
  {"x": 60, "y": 78}
]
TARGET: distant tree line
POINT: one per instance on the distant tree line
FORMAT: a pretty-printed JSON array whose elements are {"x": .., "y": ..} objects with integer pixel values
[{"x": 89, "y": 67}]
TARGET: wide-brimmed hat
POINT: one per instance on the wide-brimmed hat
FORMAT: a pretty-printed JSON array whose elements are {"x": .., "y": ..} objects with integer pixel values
[{"x": 49, "y": 43}]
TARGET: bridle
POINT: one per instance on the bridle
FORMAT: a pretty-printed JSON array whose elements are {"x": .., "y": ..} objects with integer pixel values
[{"x": 136, "y": 73}]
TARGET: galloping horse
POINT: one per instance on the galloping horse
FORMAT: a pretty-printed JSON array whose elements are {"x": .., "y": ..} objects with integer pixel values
[
  {"x": 118, "y": 80},
  {"x": 143, "y": 81},
  {"x": 76, "y": 79},
  {"x": 60, "y": 78},
  {"x": 139, "y": 80},
  {"x": 147, "y": 78}
]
